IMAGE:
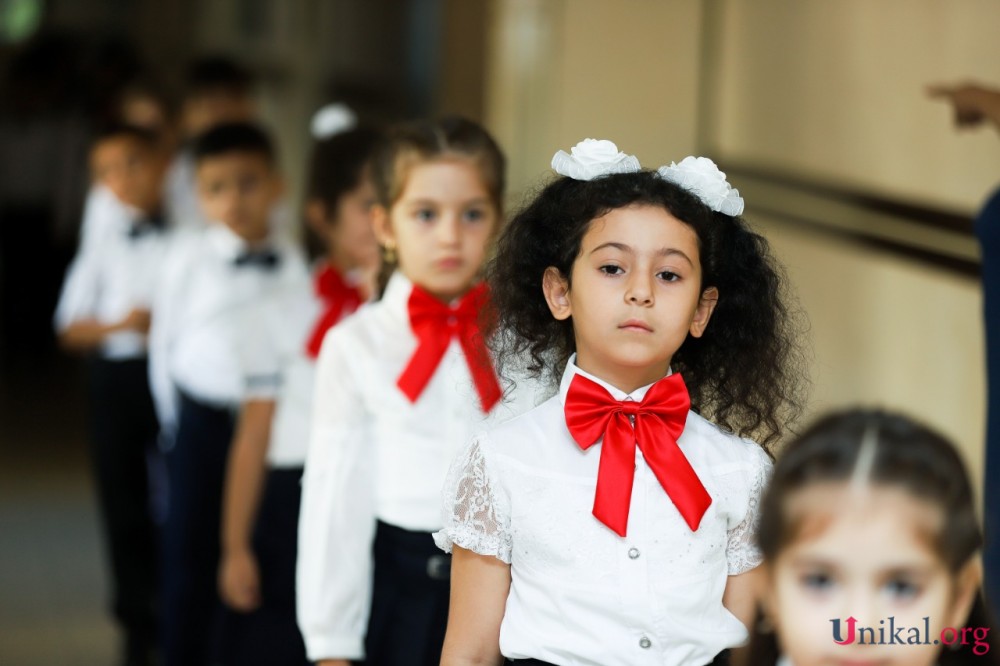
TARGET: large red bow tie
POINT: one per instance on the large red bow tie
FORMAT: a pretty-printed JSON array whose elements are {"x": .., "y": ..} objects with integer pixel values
[
  {"x": 435, "y": 324},
  {"x": 339, "y": 298},
  {"x": 591, "y": 413}
]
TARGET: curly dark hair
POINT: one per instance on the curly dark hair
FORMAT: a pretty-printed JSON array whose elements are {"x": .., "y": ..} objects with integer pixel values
[{"x": 744, "y": 373}]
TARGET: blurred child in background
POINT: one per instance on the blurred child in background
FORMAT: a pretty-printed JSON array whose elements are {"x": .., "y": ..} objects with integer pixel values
[
  {"x": 262, "y": 492},
  {"x": 104, "y": 312},
  {"x": 195, "y": 372},
  {"x": 400, "y": 385}
]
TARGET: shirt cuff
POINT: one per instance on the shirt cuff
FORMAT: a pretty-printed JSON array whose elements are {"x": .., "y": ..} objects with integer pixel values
[
  {"x": 335, "y": 647},
  {"x": 262, "y": 387}
]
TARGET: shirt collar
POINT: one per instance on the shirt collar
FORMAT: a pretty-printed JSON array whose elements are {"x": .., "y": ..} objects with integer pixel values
[
  {"x": 229, "y": 245},
  {"x": 397, "y": 293},
  {"x": 572, "y": 370}
]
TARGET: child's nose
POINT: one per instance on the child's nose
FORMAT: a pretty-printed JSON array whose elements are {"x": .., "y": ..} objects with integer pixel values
[
  {"x": 449, "y": 230},
  {"x": 640, "y": 290}
]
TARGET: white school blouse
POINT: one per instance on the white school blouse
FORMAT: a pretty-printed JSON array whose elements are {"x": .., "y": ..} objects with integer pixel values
[
  {"x": 374, "y": 455},
  {"x": 113, "y": 275},
  {"x": 580, "y": 594},
  {"x": 193, "y": 324}
]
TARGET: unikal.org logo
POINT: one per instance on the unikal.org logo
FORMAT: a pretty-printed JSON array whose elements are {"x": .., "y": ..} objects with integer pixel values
[{"x": 889, "y": 633}]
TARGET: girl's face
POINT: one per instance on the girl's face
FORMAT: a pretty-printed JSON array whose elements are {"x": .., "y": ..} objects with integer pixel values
[
  {"x": 440, "y": 226},
  {"x": 635, "y": 295},
  {"x": 870, "y": 558},
  {"x": 347, "y": 230}
]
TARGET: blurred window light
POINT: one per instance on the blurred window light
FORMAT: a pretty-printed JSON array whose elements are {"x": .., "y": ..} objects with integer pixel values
[{"x": 19, "y": 19}]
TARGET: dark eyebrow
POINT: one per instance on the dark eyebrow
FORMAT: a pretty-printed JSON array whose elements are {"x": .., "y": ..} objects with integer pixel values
[{"x": 662, "y": 252}]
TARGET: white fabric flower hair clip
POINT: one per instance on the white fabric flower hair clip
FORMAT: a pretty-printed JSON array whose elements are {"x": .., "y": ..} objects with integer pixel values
[
  {"x": 701, "y": 177},
  {"x": 593, "y": 158},
  {"x": 331, "y": 120}
]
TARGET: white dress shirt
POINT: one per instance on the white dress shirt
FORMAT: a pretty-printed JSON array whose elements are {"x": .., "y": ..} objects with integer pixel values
[
  {"x": 191, "y": 339},
  {"x": 375, "y": 455},
  {"x": 99, "y": 209},
  {"x": 113, "y": 273},
  {"x": 276, "y": 366},
  {"x": 580, "y": 594}
]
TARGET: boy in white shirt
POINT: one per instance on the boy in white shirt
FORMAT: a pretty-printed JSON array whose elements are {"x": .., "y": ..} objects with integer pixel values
[
  {"x": 104, "y": 312},
  {"x": 209, "y": 275}
]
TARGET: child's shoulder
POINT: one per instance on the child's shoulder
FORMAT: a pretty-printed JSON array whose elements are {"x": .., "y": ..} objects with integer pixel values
[
  {"x": 721, "y": 445},
  {"x": 542, "y": 422},
  {"x": 369, "y": 330}
]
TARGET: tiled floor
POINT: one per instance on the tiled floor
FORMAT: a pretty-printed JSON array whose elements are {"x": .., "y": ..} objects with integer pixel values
[{"x": 52, "y": 593}]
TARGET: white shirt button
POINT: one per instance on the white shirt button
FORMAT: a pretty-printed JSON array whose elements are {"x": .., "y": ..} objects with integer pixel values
[
  {"x": 633, "y": 553},
  {"x": 645, "y": 643}
]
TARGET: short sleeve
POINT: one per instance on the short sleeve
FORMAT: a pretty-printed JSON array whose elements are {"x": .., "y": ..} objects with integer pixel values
[
  {"x": 254, "y": 341},
  {"x": 474, "y": 513},
  {"x": 742, "y": 552}
]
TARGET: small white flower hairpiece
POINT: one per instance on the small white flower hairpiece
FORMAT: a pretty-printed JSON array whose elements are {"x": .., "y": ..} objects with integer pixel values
[
  {"x": 701, "y": 177},
  {"x": 593, "y": 158},
  {"x": 331, "y": 120}
]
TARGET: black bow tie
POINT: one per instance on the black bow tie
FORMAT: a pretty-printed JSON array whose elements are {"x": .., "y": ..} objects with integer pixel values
[
  {"x": 266, "y": 259},
  {"x": 145, "y": 226}
]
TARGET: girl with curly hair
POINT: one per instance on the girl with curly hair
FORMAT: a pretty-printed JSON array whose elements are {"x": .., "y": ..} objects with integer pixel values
[{"x": 614, "y": 523}]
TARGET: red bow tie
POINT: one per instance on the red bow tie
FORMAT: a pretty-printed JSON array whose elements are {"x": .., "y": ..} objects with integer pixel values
[
  {"x": 659, "y": 420},
  {"x": 340, "y": 300},
  {"x": 434, "y": 324}
]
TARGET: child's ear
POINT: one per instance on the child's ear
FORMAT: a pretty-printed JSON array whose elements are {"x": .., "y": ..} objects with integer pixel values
[
  {"x": 706, "y": 306},
  {"x": 556, "y": 289},
  {"x": 382, "y": 226},
  {"x": 967, "y": 583},
  {"x": 315, "y": 214}
]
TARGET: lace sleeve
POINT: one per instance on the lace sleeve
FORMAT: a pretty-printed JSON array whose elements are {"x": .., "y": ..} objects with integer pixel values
[
  {"x": 742, "y": 553},
  {"x": 473, "y": 512}
]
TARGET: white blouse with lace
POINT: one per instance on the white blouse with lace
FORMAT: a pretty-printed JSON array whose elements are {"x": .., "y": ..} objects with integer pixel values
[{"x": 580, "y": 594}]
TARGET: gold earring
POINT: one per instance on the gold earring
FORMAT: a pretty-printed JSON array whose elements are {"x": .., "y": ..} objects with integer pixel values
[{"x": 389, "y": 252}]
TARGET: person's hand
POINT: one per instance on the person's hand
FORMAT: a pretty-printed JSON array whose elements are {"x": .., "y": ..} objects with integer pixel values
[
  {"x": 137, "y": 320},
  {"x": 972, "y": 104},
  {"x": 239, "y": 580}
]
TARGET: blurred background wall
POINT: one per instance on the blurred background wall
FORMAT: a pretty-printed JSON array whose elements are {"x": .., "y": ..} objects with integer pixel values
[{"x": 816, "y": 108}]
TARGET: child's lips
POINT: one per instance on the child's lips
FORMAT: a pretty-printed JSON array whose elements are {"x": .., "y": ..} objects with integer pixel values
[
  {"x": 636, "y": 325},
  {"x": 448, "y": 263}
]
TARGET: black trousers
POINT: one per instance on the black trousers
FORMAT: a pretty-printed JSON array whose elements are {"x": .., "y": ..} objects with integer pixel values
[
  {"x": 196, "y": 468},
  {"x": 409, "y": 599},
  {"x": 269, "y": 635},
  {"x": 123, "y": 435}
]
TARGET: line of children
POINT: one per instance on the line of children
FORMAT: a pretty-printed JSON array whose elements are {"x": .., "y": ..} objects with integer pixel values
[
  {"x": 104, "y": 311},
  {"x": 870, "y": 538},
  {"x": 400, "y": 385},
  {"x": 195, "y": 370},
  {"x": 262, "y": 497},
  {"x": 614, "y": 523}
]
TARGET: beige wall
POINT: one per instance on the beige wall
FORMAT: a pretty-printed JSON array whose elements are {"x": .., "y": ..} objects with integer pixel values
[
  {"x": 832, "y": 90},
  {"x": 888, "y": 331},
  {"x": 564, "y": 70},
  {"x": 836, "y": 90}
]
